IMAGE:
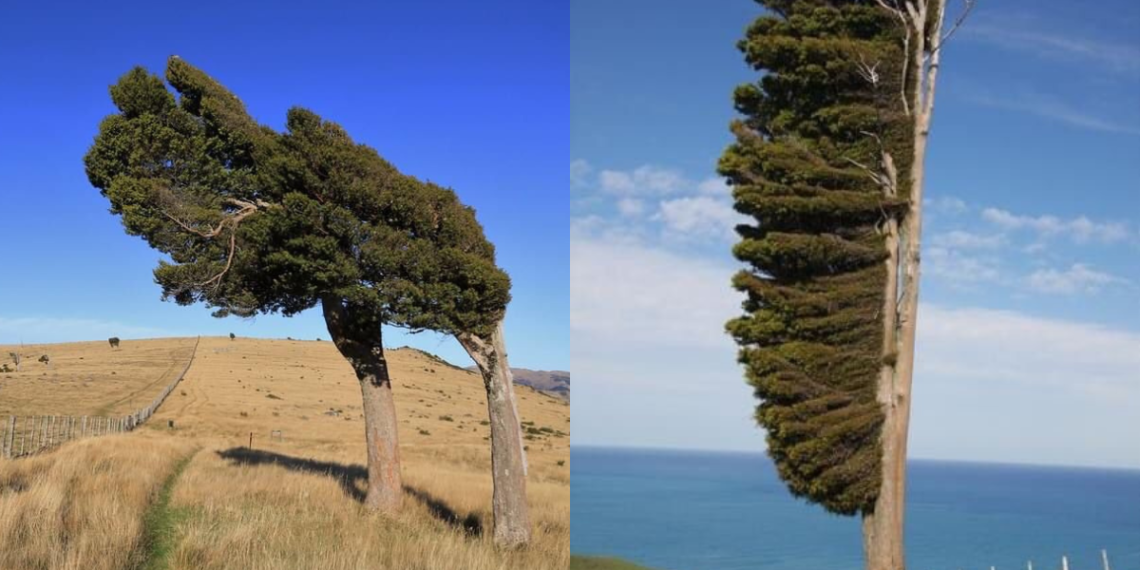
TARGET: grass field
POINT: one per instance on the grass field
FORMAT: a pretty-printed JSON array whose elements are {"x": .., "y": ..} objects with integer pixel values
[
  {"x": 293, "y": 500},
  {"x": 97, "y": 380}
]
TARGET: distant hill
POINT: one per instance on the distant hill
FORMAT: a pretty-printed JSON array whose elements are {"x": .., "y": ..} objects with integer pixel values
[{"x": 552, "y": 382}]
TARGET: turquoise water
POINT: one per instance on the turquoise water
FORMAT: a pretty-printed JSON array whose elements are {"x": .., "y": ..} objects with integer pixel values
[{"x": 723, "y": 511}]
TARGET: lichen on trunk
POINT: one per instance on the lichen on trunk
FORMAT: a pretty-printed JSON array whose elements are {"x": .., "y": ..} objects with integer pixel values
[{"x": 508, "y": 455}]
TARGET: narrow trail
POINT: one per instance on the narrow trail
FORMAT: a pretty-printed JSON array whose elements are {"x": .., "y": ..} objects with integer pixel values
[{"x": 160, "y": 523}]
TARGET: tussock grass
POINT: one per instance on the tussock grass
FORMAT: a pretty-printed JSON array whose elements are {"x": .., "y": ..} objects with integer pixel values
[
  {"x": 292, "y": 502},
  {"x": 81, "y": 506},
  {"x": 264, "y": 510}
]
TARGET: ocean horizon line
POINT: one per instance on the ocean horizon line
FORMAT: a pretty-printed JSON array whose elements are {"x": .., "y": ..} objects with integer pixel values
[{"x": 926, "y": 460}]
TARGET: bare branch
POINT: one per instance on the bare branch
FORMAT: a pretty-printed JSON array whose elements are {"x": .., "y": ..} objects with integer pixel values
[
  {"x": 967, "y": 7},
  {"x": 917, "y": 15},
  {"x": 869, "y": 72},
  {"x": 232, "y": 221},
  {"x": 217, "y": 279}
]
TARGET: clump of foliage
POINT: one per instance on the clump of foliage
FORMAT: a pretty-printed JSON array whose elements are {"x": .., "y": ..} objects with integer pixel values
[{"x": 814, "y": 131}]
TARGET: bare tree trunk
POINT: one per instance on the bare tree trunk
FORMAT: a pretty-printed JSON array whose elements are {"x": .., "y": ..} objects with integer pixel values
[
  {"x": 508, "y": 459},
  {"x": 358, "y": 338},
  {"x": 883, "y": 527}
]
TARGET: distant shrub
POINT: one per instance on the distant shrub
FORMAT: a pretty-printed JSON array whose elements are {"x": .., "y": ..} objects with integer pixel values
[
  {"x": 274, "y": 397},
  {"x": 424, "y": 432},
  {"x": 446, "y": 418},
  {"x": 561, "y": 462}
]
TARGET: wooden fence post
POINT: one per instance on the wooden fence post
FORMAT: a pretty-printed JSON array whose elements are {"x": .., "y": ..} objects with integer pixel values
[{"x": 9, "y": 436}]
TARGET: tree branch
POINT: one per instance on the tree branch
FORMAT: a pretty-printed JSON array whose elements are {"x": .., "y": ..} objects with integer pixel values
[{"x": 968, "y": 6}]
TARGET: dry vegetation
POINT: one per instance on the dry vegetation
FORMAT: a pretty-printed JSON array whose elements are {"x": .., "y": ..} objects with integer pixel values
[
  {"x": 82, "y": 506},
  {"x": 89, "y": 378},
  {"x": 293, "y": 501}
]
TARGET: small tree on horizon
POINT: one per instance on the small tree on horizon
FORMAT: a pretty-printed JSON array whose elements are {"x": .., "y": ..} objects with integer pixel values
[
  {"x": 256, "y": 221},
  {"x": 828, "y": 159}
]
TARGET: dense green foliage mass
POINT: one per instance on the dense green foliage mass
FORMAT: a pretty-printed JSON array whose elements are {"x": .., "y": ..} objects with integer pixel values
[
  {"x": 808, "y": 148},
  {"x": 256, "y": 221}
]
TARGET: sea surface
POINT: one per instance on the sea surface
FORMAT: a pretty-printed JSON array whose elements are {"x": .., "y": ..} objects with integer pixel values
[{"x": 680, "y": 510}]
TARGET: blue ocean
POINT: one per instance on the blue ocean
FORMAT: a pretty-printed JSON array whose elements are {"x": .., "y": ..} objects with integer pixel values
[{"x": 728, "y": 511}]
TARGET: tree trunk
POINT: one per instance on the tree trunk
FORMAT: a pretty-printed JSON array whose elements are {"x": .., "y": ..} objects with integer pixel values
[
  {"x": 358, "y": 338},
  {"x": 508, "y": 459},
  {"x": 883, "y": 527}
]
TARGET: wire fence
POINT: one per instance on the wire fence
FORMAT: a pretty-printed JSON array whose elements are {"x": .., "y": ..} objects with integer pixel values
[{"x": 27, "y": 435}]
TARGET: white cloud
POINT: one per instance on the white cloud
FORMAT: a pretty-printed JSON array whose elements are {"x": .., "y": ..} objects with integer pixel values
[
  {"x": 946, "y": 204},
  {"x": 715, "y": 187},
  {"x": 580, "y": 171},
  {"x": 643, "y": 181},
  {"x": 630, "y": 293},
  {"x": 631, "y": 207},
  {"x": 961, "y": 270},
  {"x": 700, "y": 217},
  {"x": 1005, "y": 346},
  {"x": 1080, "y": 229},
  {"x": 55, "y": 329},
  {"x": 967, "y": 240},
  {"x": 1077, "y": 279}
]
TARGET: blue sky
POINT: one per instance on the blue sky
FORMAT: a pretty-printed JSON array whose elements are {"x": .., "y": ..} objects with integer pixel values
[
  {"x": 1029, "y": 332},
  {"x": 473, "y": 96}
]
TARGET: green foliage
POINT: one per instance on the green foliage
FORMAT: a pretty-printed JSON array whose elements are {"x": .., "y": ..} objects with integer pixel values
[
  {"x": 811, "y": 337},
  {"x": 256, "y": 221}
]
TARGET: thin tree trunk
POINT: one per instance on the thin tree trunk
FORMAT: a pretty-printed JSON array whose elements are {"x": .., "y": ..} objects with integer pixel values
[
  {"x": 358, "y": 338},
  {"x": 508, "y": 457},
  {"x": 883, "y": 527}
]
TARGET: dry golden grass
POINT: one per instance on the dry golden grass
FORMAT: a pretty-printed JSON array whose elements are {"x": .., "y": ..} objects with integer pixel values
[
  {"x": 81, "y": 507},
  {"x": 292, "y": 502},
  {"x": 90, "y": 378}
]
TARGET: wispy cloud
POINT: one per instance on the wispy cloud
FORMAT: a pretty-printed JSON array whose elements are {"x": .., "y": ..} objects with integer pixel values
[
  {"x": 1054, "y": 110},
  {"x": 962, "y": 270},
  {"x": 968, "y": 240},
  {"x": 580, "y": 171},
  {"x": 1080, "y": 229},
  {"x": 644, "y": 180},
  {"x": 1116, "y": 57},
  {"x": 1078, "y": 278}
]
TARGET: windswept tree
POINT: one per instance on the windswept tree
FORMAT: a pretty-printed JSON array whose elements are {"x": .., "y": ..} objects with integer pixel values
[
  {"x": 254, "y": 221},
  {"x": 828, "y": 159}
]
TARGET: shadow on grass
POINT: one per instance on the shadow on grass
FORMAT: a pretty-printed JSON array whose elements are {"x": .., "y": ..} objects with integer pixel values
[{"x": 348, "y": 476}]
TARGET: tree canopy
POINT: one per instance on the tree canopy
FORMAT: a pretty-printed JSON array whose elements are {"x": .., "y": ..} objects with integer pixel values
[
  {"x": 812, "y": 163},
  {"x": 257, "y": 221}
]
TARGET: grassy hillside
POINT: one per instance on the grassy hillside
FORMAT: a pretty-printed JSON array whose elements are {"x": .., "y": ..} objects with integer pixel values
[
  {"x": 89, "y": 378},
  {"x": 293, "y": 500},
  {"x": 594, "y": 563}
]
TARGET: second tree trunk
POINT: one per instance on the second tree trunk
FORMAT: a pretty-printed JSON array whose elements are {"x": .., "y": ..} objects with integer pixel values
[{"x": 508, "y": 459}]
